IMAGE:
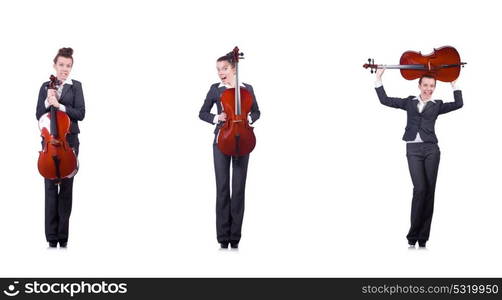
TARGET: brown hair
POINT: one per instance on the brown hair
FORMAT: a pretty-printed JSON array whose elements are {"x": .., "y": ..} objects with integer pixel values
[
  {"x": 64, "y": 52},
  {"x": 426, "y": 76},
  {"x": 228, "y": 59}
]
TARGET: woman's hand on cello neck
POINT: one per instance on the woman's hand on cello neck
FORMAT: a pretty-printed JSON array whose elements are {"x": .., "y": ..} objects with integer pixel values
[
  {"x": 379, "y": 73},
  {"x": 51, "y": 98}
]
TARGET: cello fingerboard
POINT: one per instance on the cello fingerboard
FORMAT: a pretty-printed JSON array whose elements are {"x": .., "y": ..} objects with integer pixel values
[
  {"x": 237, "y": 91},
  {"x": 407, "y": 67}
]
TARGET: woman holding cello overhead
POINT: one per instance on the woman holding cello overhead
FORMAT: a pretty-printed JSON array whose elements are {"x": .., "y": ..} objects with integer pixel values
[
  {"x": 422, "y": 148},
  {"x": 234, "y": 139},
  {"x": 60, "y": 106}
]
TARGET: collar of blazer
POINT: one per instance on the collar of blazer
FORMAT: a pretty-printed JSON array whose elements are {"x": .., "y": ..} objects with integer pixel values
[
  {"x": 68, "y": 81},
  {"x": 228, "y": 87},
  {"x": 417, "y": 99},
  {"x": 66, "y": 87}
]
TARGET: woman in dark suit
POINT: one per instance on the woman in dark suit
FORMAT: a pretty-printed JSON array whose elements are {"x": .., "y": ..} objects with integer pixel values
[
  {"x": 422, "y": 148},
  {"x": 229, "y": 201},
  {"x": 69, "y": 98}
]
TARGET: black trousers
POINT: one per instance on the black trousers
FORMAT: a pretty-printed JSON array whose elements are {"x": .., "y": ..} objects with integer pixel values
[
  {"x": 229, "y": 202},
  {"x": 58, "y": 203},
  {"x": 423, "y": 163}
]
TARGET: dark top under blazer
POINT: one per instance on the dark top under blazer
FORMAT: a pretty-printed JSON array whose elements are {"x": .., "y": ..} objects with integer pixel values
[
  {"x": 72, "y": 98},
  {"x": 214, "y": 97},
  {"x": 421, "y": 122}
]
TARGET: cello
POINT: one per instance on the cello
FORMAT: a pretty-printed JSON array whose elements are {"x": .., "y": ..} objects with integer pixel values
[
  {"x": 443, "y": 64},
  {"x": 236, "y": 136},
  {"x": 57, "y": 160}
]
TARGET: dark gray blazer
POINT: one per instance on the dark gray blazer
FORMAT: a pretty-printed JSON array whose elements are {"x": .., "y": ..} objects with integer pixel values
[
  {"x": 72, "y": 98},
  {"x": 214, "y": 97},
  {"x": 421, "y": 122}
]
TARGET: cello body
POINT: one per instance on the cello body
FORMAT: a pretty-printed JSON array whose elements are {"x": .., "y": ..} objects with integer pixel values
[
  {"x": 436, "y": 64},
  {"x": 443, "y": 64},
  {"x": 236, "y": 137},
  {"x": 57, "y": 160}
]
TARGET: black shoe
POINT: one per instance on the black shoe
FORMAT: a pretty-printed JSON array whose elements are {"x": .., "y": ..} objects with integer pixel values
[
  {"x": 234, "y": 245},
  {"x": 53, "y": 244},
  {"x": 224, "y": 245},
  {"x": 63, "y": 244},
  {"x": 421, "y": 244},
  {"x": 412, "y": 242}
]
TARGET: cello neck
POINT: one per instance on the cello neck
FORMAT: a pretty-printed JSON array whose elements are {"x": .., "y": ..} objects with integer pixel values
[
  {"x": 54, "y": 123},
  {"x": 54, "y": 85},
  {"x": 237, "y": 91},
  {"x": 406, "y": 67}
]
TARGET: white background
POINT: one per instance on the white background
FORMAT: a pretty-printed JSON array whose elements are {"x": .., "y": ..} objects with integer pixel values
[{"x": 328, "y": 191}]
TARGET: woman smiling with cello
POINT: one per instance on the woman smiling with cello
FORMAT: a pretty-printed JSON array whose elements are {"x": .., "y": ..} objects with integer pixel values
[
  {"x": 234, "y": 139},
  {"x": 422, "y": 150}
]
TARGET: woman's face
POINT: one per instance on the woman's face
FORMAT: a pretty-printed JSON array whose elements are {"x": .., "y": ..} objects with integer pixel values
[
  {"x": 226, "y": 72},
  {"x": 427, "y": 87},
  {"x": 63, "y": 67}
]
